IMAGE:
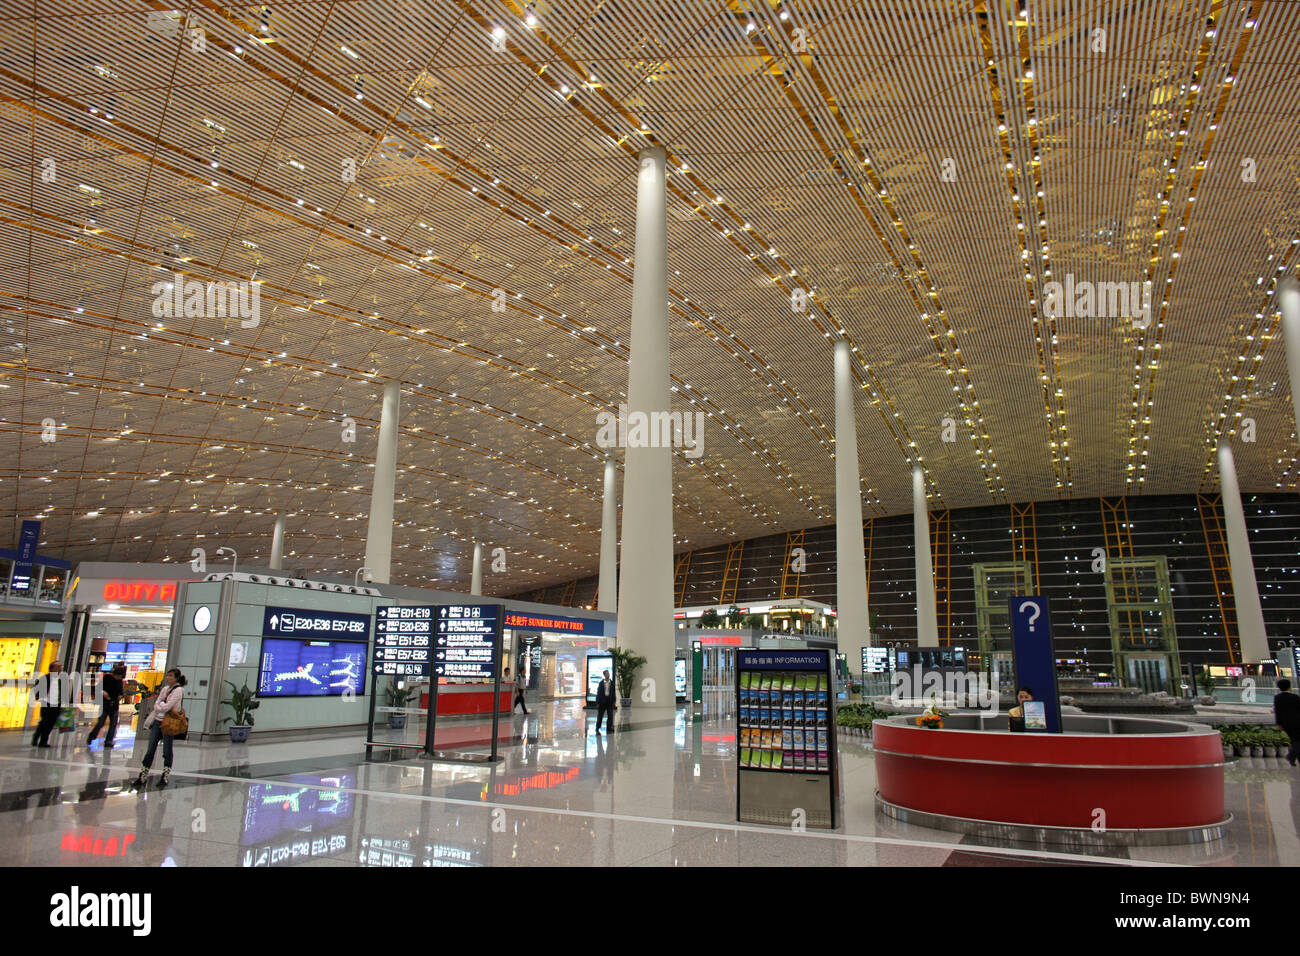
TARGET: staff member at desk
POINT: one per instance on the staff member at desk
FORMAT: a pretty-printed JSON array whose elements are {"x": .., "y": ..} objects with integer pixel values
[{"x": 1016, "y": 715}]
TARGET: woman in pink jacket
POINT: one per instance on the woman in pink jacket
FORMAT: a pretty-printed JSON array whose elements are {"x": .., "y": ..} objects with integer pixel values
[{"x": 169, "y": 699}]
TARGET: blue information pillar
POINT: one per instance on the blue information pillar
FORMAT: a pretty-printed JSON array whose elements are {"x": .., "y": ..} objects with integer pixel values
[{"x": 1031, "y": 634}]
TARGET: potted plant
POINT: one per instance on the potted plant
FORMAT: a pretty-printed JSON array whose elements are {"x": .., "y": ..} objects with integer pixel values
[
  {"x": 710, "y": 618},
  {"x": 243, "y": 701},
  {"x": 1225, "y": 739},
  {"x": 626, "y": 664},
  {"x": 398, "y": 697},
  {"x": 932, "y": 716}
]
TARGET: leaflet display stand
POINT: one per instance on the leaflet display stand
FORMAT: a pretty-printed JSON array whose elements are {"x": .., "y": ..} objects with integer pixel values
[{"x": 786, "y": 758}]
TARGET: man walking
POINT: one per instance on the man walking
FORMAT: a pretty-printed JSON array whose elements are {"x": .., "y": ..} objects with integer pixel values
[
  {"x": 605, "y": 704},
  {"x": 49, "y": 692},
  {"x": 1286, "y": 711},
  {"x": 110, "y": 690}
]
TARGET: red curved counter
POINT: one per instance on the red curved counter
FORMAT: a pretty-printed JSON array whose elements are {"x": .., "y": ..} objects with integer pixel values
[{"x": 1141, "y": 780}]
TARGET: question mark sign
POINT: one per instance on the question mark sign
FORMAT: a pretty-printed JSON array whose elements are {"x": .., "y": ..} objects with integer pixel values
[{"x": 1032, "y": 617}]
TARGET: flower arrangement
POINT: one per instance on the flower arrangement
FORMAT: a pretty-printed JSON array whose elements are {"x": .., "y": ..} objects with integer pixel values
[{"x": 932, "y": 716}]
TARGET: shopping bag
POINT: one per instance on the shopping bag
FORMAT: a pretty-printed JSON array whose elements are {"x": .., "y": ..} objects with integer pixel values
[{"x": 67, "y": 720}]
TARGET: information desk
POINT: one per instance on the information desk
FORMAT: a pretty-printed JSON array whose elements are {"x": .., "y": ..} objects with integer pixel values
[
  {"x": 454, "y": 699},
  {"x": 1102, "y": 775}
]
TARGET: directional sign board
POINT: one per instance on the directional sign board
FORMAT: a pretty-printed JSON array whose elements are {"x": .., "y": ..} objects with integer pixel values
[
  {"x": 465, "y": 641},
  {"x": 313, "y": 625},
  {"x": 403, "y": 638}
]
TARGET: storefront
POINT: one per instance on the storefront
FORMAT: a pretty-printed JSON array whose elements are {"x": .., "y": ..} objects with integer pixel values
[
  {"x": 31, "y": 628},
  {"x": 122, "y": 613},
  {"x": 551, "y": 650}
]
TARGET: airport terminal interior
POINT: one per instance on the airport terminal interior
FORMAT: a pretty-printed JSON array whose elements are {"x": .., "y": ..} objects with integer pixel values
[{"x": 469, "y": 433}]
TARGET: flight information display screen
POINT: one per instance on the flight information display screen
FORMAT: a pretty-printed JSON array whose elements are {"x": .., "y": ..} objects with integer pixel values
[{"x": 295, "y": 668}]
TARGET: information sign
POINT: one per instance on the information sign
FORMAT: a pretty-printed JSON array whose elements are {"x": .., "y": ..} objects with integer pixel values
[{"x": 403, "y": 641}]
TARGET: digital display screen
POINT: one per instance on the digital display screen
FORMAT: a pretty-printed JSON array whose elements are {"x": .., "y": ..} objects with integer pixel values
[
  {"x": 679, "y": 677},
  {"x": 132, "y": 654},
  {"x": 597, "y": 664},
  {"x": 311, "y": 668},
  {"x": 875, "y": 660}
]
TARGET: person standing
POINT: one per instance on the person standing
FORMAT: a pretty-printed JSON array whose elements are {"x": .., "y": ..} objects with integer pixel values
[
  {"x": 1286, "y": 712},
  {"x": 49, "y": 691},
  {"x": 605, "y": 703},
  {"x": 168, "y": 701},
  {"x": 519, "y": 693},
  {"x": 110, "y": 695}
]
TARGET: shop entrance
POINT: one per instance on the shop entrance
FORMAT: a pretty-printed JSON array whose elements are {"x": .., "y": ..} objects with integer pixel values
[{"x": 720, "y": 667}]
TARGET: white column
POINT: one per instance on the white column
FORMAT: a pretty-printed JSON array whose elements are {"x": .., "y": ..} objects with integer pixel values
[
  {"x": 850, "y": 555},
  {"x": 277, "y": 543},
  {"x": 476, "y": 576},
  {"x": 379, "y": 533},
  {"x": 927, "y": 621},
  {"x": 645, "y": 597},
  {"x": 607, "y": 589},
  {"x": 1290, "y": 296},
  {"x": 1250, "y": 615}
]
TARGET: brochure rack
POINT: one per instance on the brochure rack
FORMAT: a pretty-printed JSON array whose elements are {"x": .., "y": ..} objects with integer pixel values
[{"x": 786, "y": 753}]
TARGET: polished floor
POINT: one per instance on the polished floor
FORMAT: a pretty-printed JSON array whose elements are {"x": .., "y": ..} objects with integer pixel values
[{"x": 660, "y": 791}]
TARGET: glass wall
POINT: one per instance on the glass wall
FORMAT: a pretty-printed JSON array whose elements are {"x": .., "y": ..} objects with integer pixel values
[
  {"x": 1055, "y": 548},
  {"x": 46, "y": 586}
]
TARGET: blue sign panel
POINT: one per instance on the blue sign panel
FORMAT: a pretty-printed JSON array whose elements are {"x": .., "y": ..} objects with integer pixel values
[
  {"x": 1035, "y": 657},
  {"x": 27, "y": 540},
  {"x": 783, "y": 660},
  {"x": 302, "y": 623},
  {"x": 403, "y": 640},
  {"x": 465, "y": 645},
  {"x": 535, "y": 621}
]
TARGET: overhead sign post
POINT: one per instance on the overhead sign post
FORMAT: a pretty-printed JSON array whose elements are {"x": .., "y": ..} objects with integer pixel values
[
  {"x": 1035, "y": 657},
  {"x": 28, "y": 538}
]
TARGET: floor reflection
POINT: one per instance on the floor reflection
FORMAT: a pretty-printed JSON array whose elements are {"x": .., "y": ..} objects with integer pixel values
[{"x": 659, "y": 790}]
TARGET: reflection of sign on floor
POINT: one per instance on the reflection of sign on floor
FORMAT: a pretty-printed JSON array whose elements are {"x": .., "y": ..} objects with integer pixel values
[{"x": 89, "y": 841}]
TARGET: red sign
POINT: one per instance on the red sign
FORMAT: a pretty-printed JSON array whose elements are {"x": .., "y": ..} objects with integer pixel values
[
  {"x": 140, "y": 592},
  {"x": 534, "y": 622},
  {"x": 723, "y": 639}
]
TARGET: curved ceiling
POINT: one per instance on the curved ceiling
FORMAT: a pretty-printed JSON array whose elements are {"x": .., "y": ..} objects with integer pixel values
[{"x": 917, "y": 173}]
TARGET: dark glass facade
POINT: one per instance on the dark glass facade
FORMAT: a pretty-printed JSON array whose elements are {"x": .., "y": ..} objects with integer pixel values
[{"x": 1058, "y": 542}]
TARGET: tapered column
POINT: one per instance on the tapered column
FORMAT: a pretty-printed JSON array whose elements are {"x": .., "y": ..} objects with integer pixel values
[
  {"x": 1245, "y": 591},
  {"x": 476, "y": 576},
  {"x": 850, "y": 555},
  {"x": 379, "y": 533},
  {"x": 277, "y": 543},
  {"x": 645, "y": 596},
  {"x": 607, "y": 588},
  {"x": 1290, "y": 297},
  {"x": 927, "y": 622}
]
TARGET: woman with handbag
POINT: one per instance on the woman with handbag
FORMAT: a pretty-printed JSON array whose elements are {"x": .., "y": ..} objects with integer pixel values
[{"x": 166, "y": 721}]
